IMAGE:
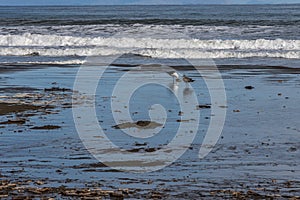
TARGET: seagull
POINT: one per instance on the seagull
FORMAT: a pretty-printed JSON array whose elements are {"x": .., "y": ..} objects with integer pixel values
[
  {"x": 174, "y": 74},
  {"x": 187, "y": 79}
]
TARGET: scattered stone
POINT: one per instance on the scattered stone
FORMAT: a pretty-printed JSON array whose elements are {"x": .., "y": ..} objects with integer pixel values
[
  {"x": 205, "y": 106},
  {"x": 249, "y": 87},
  {"x": 15, "y": 121},
  {"x": 143, "y": 123},
  {"x": 116, "y": 195},
  {"x": 292, "y": 149},
  {"x": 149, "y": 150},
  {"x": 138, "y": 124},
  {"x": 141, "y": 144},
  {"x": 34, "y": 54},
  {"x": 46, "y": 127},
  {"x": 134, "y": 150},
  {"x": 232, "y": 148},
  {"x": 90, "y": 165},
  {"x": 39, "y": 183},
  {"x": 57, "y": 89},
  {"x": 182, "y": 120}
]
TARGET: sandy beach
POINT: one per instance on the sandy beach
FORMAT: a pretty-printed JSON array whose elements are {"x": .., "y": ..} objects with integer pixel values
[{"x": 257, "y": 155}]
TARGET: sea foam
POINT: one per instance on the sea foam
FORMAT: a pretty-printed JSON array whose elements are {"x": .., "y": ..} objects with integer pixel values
[{"x": 58, "y": 45}]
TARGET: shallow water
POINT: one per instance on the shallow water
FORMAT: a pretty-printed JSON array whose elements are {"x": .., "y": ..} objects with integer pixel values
[{"x": 254, "y": 151}]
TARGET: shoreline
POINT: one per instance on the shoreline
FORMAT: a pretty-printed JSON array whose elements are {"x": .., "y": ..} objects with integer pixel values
[{"x": 254, "y": 158}]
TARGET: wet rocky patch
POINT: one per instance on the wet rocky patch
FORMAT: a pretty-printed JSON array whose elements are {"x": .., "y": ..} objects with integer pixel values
[
  {"x": 46, "y": 127},
  {"x": 7, "y": 108},
  {"x": 23, "y": 190},
  {"x": 138, "y": 124},
  {"x": 19, "y": 105}
]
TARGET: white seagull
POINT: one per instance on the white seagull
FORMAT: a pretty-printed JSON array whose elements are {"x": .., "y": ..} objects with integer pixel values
[{"x": 174, "y": 74}]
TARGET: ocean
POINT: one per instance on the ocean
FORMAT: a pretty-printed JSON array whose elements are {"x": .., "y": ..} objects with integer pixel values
[{"x": 227, "y": 34}]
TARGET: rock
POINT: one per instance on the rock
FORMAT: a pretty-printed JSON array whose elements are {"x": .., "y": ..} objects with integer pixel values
[
  {"x": 57, "y": 89},
  {"x": 292, "y": 149},
  {"x": 16, "y": 121},
  {"x": 141, "y": 144},
  {"x": 205, "y": 106},
  {"x": 138, "y": 124},
  {"x": 232, "y": 148},
  {"x": 180, "y": 113},
  {"x": 34, "y": 54},
  {"x": 143, "y": 123},
  {"x": 182, "y": 120},
  {"x": 46, "y": 127},
  {"x": 249, "y": 87}
]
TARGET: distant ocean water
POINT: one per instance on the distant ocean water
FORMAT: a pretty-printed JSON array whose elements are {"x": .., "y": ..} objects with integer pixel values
[{"x": 260, "y": 34}]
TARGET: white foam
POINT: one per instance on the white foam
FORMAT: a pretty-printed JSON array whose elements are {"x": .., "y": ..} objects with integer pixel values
[
  {"x": 127, "y": 42},
  {"x": 57, "y": 45},
  {"x": 56, "y": 62},
  {"x": 190, "y": 54}
]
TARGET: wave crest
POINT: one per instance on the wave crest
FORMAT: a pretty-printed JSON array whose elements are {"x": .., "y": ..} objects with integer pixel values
[{"x": 56, "y": 45}]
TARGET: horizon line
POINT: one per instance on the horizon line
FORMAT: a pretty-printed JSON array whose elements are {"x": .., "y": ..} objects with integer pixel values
[{"x": 217, "y": 4}]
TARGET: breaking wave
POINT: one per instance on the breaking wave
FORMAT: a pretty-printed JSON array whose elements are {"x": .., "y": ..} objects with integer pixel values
[{"x": 57, "y": 45}]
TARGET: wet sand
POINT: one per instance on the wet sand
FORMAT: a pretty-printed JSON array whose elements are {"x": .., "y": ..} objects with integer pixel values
[{"x": 257, "y": 155}]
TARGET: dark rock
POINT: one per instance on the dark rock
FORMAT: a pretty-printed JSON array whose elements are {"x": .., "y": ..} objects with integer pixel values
[
  {"x": 143, "y": 123},
  {"x": 205, "y": 106},
  {"x": 46, "y": 127},
  {"x": 16, "y": 121},
  {"x": 57, "y": 89},
  {"x": 34, "y": 54},
  {"x": 249, "y": 87}
]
